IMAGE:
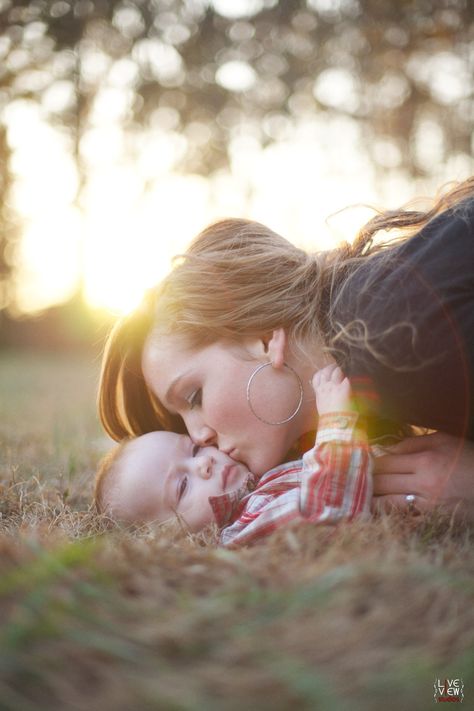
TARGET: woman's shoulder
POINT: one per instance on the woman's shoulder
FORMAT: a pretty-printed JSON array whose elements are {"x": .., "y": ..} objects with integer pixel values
[
  {"x": 442, "y": 250},
  {"x": 451, "y": 231}
]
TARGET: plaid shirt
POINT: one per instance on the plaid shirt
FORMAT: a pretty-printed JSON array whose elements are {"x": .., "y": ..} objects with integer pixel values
[{"x": 331, "y": 483}]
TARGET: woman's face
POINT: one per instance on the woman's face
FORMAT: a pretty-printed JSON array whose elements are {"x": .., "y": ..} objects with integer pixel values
[{"x": 208, "y": 388}]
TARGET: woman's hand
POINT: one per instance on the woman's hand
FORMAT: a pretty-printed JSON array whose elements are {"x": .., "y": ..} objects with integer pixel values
[{"x": 437, "y": 468}]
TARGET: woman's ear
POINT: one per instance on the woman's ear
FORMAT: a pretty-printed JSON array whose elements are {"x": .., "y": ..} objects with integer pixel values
[{"x": 276, "y": 348}]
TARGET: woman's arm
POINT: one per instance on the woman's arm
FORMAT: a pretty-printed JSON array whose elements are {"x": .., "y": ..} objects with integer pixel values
[{"x": 437, "y": 468}]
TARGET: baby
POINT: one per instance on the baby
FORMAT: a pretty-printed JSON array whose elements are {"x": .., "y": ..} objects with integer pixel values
[{"x": 161, "y": 475}]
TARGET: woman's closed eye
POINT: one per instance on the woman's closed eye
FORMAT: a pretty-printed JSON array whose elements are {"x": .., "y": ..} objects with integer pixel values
[
  {"x": 195, "y": 399},
  {"x": 196, "y": 449}
]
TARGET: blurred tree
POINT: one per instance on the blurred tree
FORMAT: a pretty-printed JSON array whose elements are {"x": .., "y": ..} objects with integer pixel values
[{"x": 205, "y": 70}]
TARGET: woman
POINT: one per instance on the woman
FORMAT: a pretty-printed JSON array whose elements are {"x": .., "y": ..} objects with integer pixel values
[{"x": 398, "y": 317}]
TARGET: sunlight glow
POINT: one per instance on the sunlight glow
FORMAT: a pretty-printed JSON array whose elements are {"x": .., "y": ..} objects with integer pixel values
[
  {"x": 135, "y": 212},
  {"x": 130, "y": 247},
  {"x": 49, "y": 263}
]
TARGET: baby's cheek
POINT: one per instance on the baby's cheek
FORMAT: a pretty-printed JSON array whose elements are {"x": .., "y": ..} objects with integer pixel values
[{"x": 203, "y": 519}]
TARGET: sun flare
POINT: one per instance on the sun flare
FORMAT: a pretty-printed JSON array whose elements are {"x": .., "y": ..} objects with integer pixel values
[{"x": 118, "y": 236}]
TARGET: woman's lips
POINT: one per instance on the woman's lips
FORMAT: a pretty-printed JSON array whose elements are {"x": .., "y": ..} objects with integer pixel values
[{"x": 232, "y": 453}]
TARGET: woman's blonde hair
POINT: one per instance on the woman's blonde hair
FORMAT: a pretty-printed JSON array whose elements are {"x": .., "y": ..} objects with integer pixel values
[{"x": 239, "y": 279}]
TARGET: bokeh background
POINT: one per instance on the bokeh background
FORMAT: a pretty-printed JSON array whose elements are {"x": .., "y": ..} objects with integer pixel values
[{"x": 127, "y": 126}]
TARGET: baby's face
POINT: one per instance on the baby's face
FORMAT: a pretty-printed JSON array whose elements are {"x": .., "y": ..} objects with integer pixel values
[{"x": 162, "y": 473}]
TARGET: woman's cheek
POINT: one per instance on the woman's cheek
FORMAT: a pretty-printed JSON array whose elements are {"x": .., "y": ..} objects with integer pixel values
[{"x": 229, "y": 412}]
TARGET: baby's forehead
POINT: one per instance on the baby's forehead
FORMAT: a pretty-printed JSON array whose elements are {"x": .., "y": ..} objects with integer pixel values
[
  {"x": 151, "y": 450},
  {"x": 151, "y": 454}
]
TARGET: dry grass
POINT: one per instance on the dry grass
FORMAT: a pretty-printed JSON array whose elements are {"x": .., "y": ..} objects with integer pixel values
[{"x": 366, "y": 616}]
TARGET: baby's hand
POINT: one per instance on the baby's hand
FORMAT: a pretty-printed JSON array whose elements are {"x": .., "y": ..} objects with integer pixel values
[{"x": 332, "y": 390}]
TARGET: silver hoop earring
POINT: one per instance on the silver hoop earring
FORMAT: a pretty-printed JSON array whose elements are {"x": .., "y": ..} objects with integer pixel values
[{"x": 300, "y": 402}]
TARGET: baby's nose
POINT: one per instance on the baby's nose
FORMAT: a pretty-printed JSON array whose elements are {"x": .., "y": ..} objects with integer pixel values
[{"x": 205, "y": 466}]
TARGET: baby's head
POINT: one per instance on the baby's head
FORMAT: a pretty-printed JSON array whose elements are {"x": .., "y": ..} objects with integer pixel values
[{"x": 162, "y": 474}]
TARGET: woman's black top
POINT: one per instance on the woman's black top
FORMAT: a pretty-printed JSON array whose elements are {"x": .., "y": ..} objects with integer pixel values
[{"x": 409, "y": 324}]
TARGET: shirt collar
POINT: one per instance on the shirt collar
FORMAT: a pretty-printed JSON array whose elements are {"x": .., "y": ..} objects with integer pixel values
[{"x": 227, "y": 507}]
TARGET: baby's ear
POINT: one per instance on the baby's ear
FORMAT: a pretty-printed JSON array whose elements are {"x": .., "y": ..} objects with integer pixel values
[{"x": 276, "y": 347}]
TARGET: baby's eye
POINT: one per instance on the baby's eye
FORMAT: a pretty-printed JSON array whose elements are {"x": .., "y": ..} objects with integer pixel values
[
  {"x": 196, "y": 449},
  {"x": 182, "y": 487},
  {"x": 195, "y": 399}
]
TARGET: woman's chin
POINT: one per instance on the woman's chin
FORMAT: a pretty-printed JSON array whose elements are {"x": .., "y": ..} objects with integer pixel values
[{"x": 262, "y": 465}]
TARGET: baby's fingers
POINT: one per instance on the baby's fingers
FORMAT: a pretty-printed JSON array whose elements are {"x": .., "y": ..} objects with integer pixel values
[
  {"x": 337, "y": 376},
  {"x": 323, "y": 375}
]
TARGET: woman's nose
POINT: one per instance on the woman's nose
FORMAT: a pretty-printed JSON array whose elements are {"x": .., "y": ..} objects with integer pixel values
[{"x": 203, "y": 435}]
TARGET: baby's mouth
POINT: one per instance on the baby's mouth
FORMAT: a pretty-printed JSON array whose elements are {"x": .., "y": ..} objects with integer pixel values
[{"x": 227, "y": 475}]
